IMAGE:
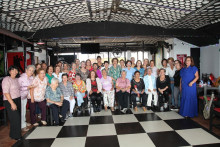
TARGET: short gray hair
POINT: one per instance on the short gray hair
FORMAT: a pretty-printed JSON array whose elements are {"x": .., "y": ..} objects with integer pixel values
[
  {"x": 123, "y": 71},
  {"x": 30, "y": 66},
  {"x": 54, "y": 80}
]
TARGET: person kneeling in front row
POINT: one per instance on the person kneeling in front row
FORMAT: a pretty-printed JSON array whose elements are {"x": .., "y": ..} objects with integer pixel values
[{"x": 55, "y": 100}]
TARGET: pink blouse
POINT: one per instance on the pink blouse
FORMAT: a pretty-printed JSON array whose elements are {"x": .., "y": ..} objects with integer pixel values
[
  {"x": 11, "y": 86},
  {"x": 123, "y": 84},
  {"x": 24, "y": 81}
]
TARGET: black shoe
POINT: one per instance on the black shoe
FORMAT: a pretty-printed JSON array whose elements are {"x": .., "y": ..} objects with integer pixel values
[
  {"x": 16, "y": 138},
  {"x": 98, "y": 108},
  {"x": 94, "y": 109},
  {"x": 62, "y": 120}
]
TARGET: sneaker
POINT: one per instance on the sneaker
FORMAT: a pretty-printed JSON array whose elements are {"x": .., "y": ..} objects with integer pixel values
[
  {"x": 36, "y": 124},
  {"x": 44, "y": 122}
]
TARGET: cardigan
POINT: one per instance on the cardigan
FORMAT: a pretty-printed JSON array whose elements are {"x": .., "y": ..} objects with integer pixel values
[{"x": 89, "y": 87}]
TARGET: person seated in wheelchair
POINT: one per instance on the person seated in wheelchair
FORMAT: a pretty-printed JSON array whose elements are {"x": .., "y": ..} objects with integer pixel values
[
  {"x": 79, "y": 88},
  {"x": 123, "y": 86},
  {"x": 94, "y": 88},
  {"x": 55, "y": 100},
  {"x": 137, "y": 90},
  {"x": 150, "y": 89},
  {"x": 164, "y": 90}
]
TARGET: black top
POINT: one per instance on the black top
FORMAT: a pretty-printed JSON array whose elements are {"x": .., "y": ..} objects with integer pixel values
[
  {"x": 140, "y": 85},
  {"x": 163, "y": 84},
  {"x": 177, "y": 78}
]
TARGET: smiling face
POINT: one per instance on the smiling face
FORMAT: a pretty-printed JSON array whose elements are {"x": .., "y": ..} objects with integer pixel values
[
  {"x": 41, "y": 74},
  {"x": 188, "y": 62},
  {"x": 95, "y": 67},
  {"x": 104, "y": 73},
  {"x": 152, "y": 64},
  {"x": 13, "y": 73},
  {"x": 64, "y": 79},
  {"x": 50, "y": 70},
  {"x": 30, "y": 71},
  {"x": 162, "y": 73},
  {"x": 57, "y": 69},
  {"x": 149, "y": 71},
  {"x": 123, "y": 74},
  {"x": 65, "y": 66},
  {"x": 139, "y": 63},
  {"x": 74, "y": 66},
  {"x": 83, "y": 64},
  {"x": 137, "y": 75}
]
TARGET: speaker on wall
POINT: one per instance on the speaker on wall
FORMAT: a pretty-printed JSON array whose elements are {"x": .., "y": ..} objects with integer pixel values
[{"x": 90, "y": 48}]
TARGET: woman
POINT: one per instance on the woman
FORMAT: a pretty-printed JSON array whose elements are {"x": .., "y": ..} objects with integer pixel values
[
  {"x": 72, "y": 73},
  {"x": 12, "y": 100},
  {"x": 36, "y": 96},
  {"x": 137, "y": 87},
  {"x": 55, "y": 100},
  {"x": 164, "y": 64},
  {"x": 37, "y": 66},
  {"x": 57, "y": 73},
  {"x": 123, "y": 86},
  {"x": 89, "y": 65},
  {"x": 177, "y": 83},
  {"x": 25, "y": 82},
  {"x": 66, "y": 88},
  {"x": 163, "y": 88},
  {"x": 79, "y": 90},
  {"x": 44, "y": 66},
  {"x": 133, "y": 62},
  {"x": 129, "y": 70},
  {"x": 170, "y": 72},
  {"x": 83, "y": 71},
  {"x": 65, "y": 68},
  {"x": 106, "y": 66},
  {"x": 49, "y": 74},
  {"x": 98, "y": 72},
  {"x": 115, "y": 70},
  {"x": 107, "y": 90},
  {"x": 154, "y": 69},
  {"x": 150, "y": 88},
  {"x": 139, "y": 68},
  {"x": 122, "y": 63},
  {"x": 77, "y": 61},
  {"x": 146, "y": 64},
  {"x": 94, "y": 88},
  {"x": 189, "y": 76}
]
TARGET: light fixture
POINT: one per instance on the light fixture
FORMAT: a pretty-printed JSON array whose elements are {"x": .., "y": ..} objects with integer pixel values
[{"x": 40, "y": 42}]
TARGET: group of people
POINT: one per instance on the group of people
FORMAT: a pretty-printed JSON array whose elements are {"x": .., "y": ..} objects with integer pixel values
[{"x": 66, "y": 88}]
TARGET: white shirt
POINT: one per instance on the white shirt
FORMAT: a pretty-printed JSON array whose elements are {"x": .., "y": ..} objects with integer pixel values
[
  {"x": 58, "y": 77},
  {"x": 154, "y": 71},
  {"x": 170, "y": 72}
]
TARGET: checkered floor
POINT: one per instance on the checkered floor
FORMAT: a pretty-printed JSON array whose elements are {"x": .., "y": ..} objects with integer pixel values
[{"x": 113, "y": 129}]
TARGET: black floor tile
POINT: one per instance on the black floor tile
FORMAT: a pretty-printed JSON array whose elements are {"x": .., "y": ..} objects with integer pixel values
[
  {"x": 179, "y": 124},
  {"x": 208, "y": 145},
  {"x": 129, "y": 128},
  {"x": 167, "y": 139},
  {"x": 102, "y": 141},
  {"x": 34, "y": 143},
  {"x": 101, "y": 120},
  {"x": 73, "y": 131},
  {"x": 118, "y": 112},
  {"x": 147, "y": 117}
]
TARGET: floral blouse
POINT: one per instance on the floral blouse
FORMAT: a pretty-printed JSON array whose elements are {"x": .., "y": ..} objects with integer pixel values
[
  {"x": 114, "y": 72},
  {"x": 81, "y": 87}
]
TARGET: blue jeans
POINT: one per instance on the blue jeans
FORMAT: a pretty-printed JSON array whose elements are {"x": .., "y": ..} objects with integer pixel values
[{"x": 79, "y": 97}]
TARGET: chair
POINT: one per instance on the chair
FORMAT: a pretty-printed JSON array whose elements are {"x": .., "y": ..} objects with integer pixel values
[{"x": 85, "y": 97}]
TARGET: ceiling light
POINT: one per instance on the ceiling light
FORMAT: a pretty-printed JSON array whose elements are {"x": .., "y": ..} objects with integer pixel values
[{"x": 40, "y": 42}]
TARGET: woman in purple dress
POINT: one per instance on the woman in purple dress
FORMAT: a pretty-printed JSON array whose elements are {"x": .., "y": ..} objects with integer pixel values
[{"x": 189, "y": 76}]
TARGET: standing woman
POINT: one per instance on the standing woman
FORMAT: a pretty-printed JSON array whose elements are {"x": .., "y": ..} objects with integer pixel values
[
  {"x": 57, "y": 73},
  {"x": 36, "y": 96},
  {"x": 37, "y": 66},
  {"x": 65, "y": 68},
  {"x": 122, "y": 63},
  {"x": 83, "y": 71},
  {"x": 139, "y": 68},
  {"x": 49, "y": 74},
  {"x": 189, "y": 76},
  {"x": 164, "y": 64},
  {"x": 177, "y": 83},
  {"x": 115, "y": 70},
  {"x": 146, "y": 64},
  {"x": 154, "y": 69},
  {"x": 25, "y": 82},
  {"x": 107, "y": 90},
  {"x": 98, "y": 72},
  {"x": 89, "y": 65},
  {"x": 94, "y": 88},
  {"x": 129, "y": 70},
  {"x": 72, "y": 73},
  {"x": 133, "y": 62},
  {"x": 12, "y": 100},
  {"x": 123, "y": 86}
]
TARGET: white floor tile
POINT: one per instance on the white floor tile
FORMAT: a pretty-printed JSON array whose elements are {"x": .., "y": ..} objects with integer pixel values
[
  {"x": 197, "y": 136},
  {"x": 102, "y": 129},
  {"x": 69, "y": 142},
  {"x": 45, "y": 132},
  {"x": 74, "y": 121},
  {"x": 135, "y": 140},
  {"x": 155, "y": 126},
  {"x": 169, "y": 115},
  {"x": 124, "y": 118}
]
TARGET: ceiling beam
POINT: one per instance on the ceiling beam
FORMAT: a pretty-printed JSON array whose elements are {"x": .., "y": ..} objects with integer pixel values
[{"x": 89, "y": 8}]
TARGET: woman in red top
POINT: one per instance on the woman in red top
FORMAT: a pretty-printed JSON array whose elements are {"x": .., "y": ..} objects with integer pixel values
[
  {"x": 89, "y": 65},
  {"x": 72, "y": 73}
]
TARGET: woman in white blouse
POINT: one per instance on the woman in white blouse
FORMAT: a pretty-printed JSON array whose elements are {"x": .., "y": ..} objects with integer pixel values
[{"x": 57, "y": 73}]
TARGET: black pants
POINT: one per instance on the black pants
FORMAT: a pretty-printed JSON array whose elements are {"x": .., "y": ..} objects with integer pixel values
[
  {"x": 14, "y": 118},
  {"x": 123, "y": 98},
  {"x": 96, "y": 98},
  {"x": 163, "y": 98},
  {"x": 55, "y": 110},
  {"x": 143, "y": 99}
]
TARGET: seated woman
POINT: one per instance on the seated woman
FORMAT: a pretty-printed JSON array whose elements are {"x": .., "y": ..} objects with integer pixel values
[
  {"x": 107, "y": 90},
  {"x": 98, "y": 72},
  {"x": 123, "y": 86},
  {"x": 137, "y": 87},
  {"x": 66, "y": 88},
  {"x": 36, "y": 96},
  {"x": 55, "y": 100},
  {"x": 94, "y": 88},
  {"x": 79, "y": 87},
  {"x": 163, "y": 88},
  {"x": 150, "y": 88}
]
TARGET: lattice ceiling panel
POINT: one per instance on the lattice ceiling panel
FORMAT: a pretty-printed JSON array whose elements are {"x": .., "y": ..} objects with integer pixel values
[{"x": 124, "y": 18}]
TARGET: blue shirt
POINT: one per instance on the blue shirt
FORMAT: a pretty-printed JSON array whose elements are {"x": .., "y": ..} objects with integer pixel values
[
  {"x": 146, "y": 82},
  {"x": 130, "y": 73},
  {"x": 141, "y": 71}
]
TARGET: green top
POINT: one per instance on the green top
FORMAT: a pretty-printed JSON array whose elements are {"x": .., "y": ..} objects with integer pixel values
[
  {"x": 49, "y": 78},
  {"x": 114, "y": 72}
]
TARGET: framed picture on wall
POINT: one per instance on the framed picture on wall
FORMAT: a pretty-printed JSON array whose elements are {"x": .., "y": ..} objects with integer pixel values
[{"x": 182, "y": 58}]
